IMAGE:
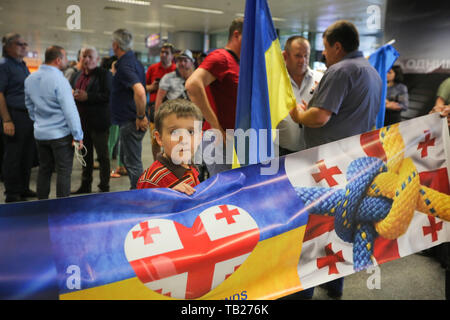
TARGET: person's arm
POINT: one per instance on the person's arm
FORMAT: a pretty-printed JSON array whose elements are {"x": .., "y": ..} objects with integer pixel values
[
  {"x": 29, "y": 104},
  {"x": 8, "y": 124},
  {"x": 66, "y": 101},
  {"x": 140, "y": 99},
  {"x": 327, "y": 100},
  {"x": 440, "y": 103},
  {"x": 159, "y": 98},
  {"x": 313, "y": 117},
  {"x": 443, "y": 109},
  {"x": 195, "y": 87},
  {"x": 101, "y": 93},
  {"x": 392, "y": 105},
  {"x": 153, "y": 86},
  {"x": 150, "y": 86},
  {"x": 402, "y": 99}
]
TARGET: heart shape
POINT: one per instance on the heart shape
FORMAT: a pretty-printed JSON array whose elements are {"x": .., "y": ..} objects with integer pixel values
[{"x": 187, "y": 263}]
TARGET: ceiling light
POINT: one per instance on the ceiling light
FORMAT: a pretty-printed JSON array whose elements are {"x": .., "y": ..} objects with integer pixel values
[
  {"x": 273, "y": 18},
  {"x": 172, "y": 6},
  {"x": 137, "y": 2},
  {"x": 149, "y": 24}
]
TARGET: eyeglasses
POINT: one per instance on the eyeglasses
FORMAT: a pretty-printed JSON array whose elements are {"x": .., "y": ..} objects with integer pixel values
[{"x": 22, "y": 44}]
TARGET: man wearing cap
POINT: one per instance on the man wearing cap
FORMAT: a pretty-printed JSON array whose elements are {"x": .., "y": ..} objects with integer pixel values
[{"x": 171, "y": 85}]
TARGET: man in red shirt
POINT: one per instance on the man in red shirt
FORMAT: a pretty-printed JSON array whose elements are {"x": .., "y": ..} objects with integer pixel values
[
  {"x": 219, "y": 71},
  {"x": 154, "y": 74},
  {"x": 156, "y": 71}
]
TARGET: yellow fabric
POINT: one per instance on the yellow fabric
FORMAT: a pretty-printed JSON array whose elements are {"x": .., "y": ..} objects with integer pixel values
[{"x": 268, "y": 273}]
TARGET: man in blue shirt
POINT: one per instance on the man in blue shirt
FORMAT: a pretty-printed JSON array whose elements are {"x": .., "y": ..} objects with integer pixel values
[
  {"x": 50, "y": 104},
  {"x": 345, "y": 103},
  {"x": 347, "y": 99},
  {"x": 17, "y": 127},
  {"x": 128, "y": 103}
]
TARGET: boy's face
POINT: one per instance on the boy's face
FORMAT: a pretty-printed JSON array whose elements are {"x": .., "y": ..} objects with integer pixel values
[{"x": 180, "y": 138}]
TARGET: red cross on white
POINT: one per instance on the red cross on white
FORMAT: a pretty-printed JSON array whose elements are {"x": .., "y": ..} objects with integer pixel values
[
  {"x": 188, "y": 262},
  {"x": 433, "y": 228},
  {"x": 227, "y": 214},
  {"x": 426, "y": 143},
  {"x": 326, "y": 173},
  {"x": 146, "y": 232},
  {"x": 330, "y": 260}
]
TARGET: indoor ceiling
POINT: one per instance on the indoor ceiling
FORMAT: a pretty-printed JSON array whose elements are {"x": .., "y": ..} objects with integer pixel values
[{"x": 43, "y": 23}]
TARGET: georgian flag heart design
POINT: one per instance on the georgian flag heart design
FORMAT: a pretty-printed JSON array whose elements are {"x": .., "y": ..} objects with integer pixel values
[{"x": 186, "y": 263}]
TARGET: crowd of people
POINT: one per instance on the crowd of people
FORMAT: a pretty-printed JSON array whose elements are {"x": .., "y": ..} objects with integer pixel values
[
  {"x": 90, "y": 107},
  {"x": 109, "y": 106}
]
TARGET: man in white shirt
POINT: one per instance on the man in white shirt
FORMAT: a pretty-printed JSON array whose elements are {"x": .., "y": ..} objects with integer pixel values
[{"x": 303, "y": 79}]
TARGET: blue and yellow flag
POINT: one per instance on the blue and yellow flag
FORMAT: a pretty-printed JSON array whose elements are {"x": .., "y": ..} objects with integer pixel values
[
  {"x": 383, "y": 59},
  {"x": 265, "y": 94},
  {"x": 220, "y": 243}
]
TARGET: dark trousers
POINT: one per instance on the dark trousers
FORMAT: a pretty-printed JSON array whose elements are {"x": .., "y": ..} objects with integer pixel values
[
  {"x": 55, "y": 154},
  {"x": 98, "y": 140},
  {"x": 19, "y": 154},
  {"x": 335, "y": 286},
  {"x": 131, "y": 151}
]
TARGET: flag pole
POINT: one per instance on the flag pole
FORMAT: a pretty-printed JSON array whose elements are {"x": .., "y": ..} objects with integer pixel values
[{"x": 390, "y": 42}]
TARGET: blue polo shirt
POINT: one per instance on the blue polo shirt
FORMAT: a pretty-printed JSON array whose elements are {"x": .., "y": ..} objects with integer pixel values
[
  {"x": 12, "y": 77},
  {"x": 129, "y": 72},
  {"x": 351, "y": 90}
]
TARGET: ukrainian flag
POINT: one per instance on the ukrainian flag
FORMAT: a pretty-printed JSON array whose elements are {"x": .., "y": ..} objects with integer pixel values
[
  {"x": 265, "y": 94},
  {"x": 382, "y": 60}
]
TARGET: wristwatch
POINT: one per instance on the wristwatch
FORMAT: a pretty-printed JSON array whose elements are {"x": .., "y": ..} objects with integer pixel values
[{"x": 140, "y": 117}]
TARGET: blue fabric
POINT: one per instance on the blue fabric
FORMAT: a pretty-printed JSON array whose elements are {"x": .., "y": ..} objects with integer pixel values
[
  {"x": 12, "y": 76},
  {"x": 129, "y": 72},
  {"x": 50, "y": 104},
  {"x": 383, "y": 59},
  {"x": 27, "y": 270},
  {"x": 89, "y": 231}
]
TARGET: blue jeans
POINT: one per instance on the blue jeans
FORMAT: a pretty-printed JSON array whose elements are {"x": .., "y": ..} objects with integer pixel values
[
  {"x": 54, "y": 153},
  {"x": 131, "y": 151}
]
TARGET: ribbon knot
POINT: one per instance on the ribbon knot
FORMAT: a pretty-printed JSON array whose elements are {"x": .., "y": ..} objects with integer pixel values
[
  {"x": 353, "y": 210},
  {"x": 379, "y": 199}
]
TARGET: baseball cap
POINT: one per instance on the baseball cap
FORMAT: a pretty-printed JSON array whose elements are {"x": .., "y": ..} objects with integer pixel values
[{"x": 186, "y": 54}]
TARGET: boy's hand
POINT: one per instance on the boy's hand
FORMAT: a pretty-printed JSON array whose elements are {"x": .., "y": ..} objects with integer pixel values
[{"x": 184, "y": 188}]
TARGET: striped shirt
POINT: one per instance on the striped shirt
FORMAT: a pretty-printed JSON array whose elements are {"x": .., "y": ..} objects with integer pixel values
[{"x": 163, "y": 173}]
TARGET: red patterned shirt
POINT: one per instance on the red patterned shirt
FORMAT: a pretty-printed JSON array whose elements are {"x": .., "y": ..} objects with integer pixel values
[{"x": 163, "y": 173}]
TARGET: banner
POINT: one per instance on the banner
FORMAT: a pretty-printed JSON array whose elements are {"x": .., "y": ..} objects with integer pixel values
[{"x": 328, "y": 212}]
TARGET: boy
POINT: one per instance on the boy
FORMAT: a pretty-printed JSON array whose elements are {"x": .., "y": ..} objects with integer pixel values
[{"x": 178, "y": 132}]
